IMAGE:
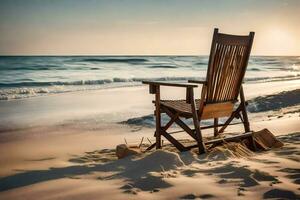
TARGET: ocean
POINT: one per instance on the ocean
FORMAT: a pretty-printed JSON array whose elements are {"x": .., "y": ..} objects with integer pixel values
[{"x": 31, "y": 76}]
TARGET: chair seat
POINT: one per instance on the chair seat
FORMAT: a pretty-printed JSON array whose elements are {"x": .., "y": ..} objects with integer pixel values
[
  {"x": 180, "y": 105},
  {"x": 214, "y": 110}
]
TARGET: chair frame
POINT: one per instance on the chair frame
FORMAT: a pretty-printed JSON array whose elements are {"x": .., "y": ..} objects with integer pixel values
[{"x": 214, "y": 108}]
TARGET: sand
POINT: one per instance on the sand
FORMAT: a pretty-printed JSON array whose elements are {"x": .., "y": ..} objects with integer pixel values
[{"x": 52, "y": 153}]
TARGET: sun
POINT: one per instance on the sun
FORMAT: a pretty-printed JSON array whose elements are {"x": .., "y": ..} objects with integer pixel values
[{"x": 276, "y": 40}]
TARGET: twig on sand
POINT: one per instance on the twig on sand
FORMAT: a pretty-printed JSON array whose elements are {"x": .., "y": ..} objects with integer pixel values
[
  {"x": 141, "y": 142},
  {"x": 125, "y": 140},
  {"x": 149, "y": 141}
]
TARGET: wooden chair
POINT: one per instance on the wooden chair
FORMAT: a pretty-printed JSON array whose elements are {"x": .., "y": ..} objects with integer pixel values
[{"x": 227, "y": 65}]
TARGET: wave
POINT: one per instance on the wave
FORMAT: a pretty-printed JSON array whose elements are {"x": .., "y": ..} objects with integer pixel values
[
  {"x": 137, "y": 79},
  {"x": 275, "y": 101},
  {"x": 95, "y": 68},
  {"x": 80, "y": 82},
  {"x": 114, "y": 60},
  {"x": 295, "y": 67},
  {"x": 201, "y": 63},
  {"x": 91, "y": 82},
  {"x": 33, "y": 67},
  {"x": 276, "y": 63},
  {"x": 19, "y": 93},
  {"x": 147, "y": 121},
  {"x": 163, "y": 66},
  {"x": 254, "y": 69},
  {"x": 273, "y": 79}
]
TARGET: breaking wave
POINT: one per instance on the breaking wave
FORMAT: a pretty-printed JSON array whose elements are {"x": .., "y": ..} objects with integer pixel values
[{"x": 113, "y": 60}]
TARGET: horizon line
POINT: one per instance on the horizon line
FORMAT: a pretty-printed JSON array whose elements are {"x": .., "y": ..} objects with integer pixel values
[{"x": 129, "y": 55}]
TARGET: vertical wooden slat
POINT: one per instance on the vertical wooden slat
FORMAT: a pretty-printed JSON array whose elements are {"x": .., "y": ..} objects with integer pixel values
[
  {"x": 211, "y": 60},
  {"x": 227, "y": 66},
  {"x": 237, "y": 83},
  {"x": 211, "y": 85},
  {"x": 230, "y": 74},
  {"x": 246, "y": 59},
  {"x": 217, "y": 72},
  {"x": 224, "y": 75},
  {"x": 235, "y": 74}
]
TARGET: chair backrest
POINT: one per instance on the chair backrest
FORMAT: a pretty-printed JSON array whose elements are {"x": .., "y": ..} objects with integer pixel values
[{"x": 227, "y": 65}]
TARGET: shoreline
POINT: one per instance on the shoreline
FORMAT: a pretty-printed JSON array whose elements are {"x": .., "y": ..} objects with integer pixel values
[
  {"x": 124, "y": 103},
  {"x": 25, "y": 92}
]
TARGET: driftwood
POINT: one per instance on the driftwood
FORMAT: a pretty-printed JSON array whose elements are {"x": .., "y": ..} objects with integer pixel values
[{"x": 265, "y": 140}]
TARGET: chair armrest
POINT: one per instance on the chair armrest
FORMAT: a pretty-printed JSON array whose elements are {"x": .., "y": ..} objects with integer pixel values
[
  {"x": 198, "y": 82},
  {"x": 157, "y": 83},
  {"x": 154, "y": 86}
]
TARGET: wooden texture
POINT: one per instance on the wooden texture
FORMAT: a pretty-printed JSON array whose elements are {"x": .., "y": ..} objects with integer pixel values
[
  {"x": 180, "y": 123},
  {"x": 157, "y": 117},
  {"x": 209, "y": 110},
  {"x": 198, "y": 82},
  {"x": 234, "y": 138},
  {"x": 227, "y": 65},
  {"x": 201, "y": 146},
  {"x": 244, "y": 112},
  {"x": 154, "y": 83},
  {"x": 216, "y": 122},
  {"x": 216, "y": 110}
]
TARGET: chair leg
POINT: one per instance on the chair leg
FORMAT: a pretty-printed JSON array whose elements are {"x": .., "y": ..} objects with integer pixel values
[
  {"x": 245, "y": 121},
  {"x": 244, "y": 111},
  {"x": 196, "y": 121},
  {"x": 216, "y": 132},
  {"x": 157, "y": 119},
  {"x": 201, "y": 145}
]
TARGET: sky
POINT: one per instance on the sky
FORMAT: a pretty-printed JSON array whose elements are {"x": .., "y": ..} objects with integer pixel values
[{"x": 144, "y": 27}]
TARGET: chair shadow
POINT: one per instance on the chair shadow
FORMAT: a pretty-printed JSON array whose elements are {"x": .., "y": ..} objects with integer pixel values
[
  {"x": 229, "y": 172},
  {"x": 37, "y": 176},
  {"x": 134, "y": 171}
]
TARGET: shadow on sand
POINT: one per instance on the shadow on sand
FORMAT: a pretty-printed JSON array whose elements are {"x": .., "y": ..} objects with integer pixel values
[
  {"x": 134, "y": 171},
  {"x": 148, "y": 173}
]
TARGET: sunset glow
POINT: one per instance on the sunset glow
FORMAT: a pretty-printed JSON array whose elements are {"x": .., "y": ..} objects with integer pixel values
[{"x": 133, "y": 27}]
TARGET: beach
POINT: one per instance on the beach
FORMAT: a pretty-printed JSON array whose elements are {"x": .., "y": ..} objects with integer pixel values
[
  {"x": 149, "y": 100},
  {"x": 61, "y": 146},
  {"x": 60, "y": 126}
]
